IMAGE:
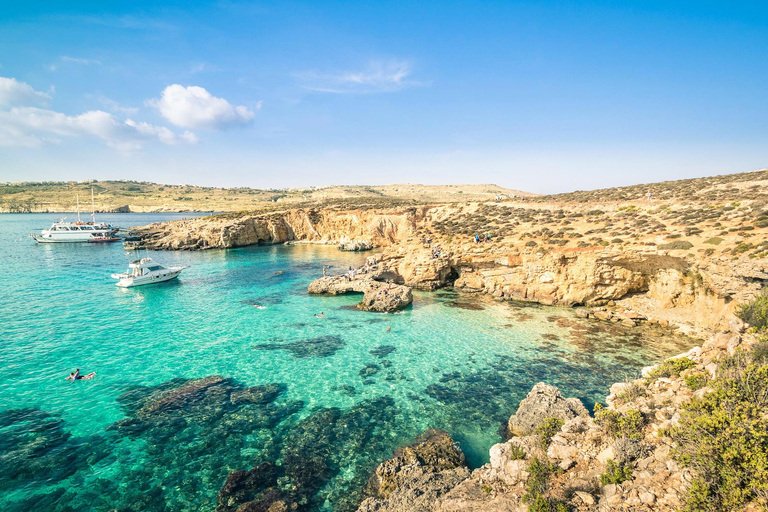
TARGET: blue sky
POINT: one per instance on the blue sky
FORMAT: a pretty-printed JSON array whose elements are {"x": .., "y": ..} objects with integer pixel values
[{"x": 538, "y": 96}]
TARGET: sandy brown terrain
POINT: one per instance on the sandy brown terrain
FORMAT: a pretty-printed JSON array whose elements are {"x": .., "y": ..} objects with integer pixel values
[{"x": 143, "y": 196}]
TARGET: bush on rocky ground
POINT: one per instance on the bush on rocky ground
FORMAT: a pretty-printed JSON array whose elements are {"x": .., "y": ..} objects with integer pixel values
[
  {"x": 755, "y": 313},
  {"x": 723, "y": 435},
  {"x": 548, "y": 428},
  {"x": 617, "y": 425},
  {"x": 670, "y": 368}
]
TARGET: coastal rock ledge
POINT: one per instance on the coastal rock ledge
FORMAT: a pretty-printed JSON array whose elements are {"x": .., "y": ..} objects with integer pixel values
[{"x": 377, "y": 296}]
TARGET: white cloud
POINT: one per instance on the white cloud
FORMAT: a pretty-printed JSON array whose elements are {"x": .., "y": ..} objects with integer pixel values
[
  {"x": 34, "y": 127},
  {"x": 85, "y": 62},
  {"x": 13, "y": 92},
  {"x": 194, "y": 107},
  {"x": 26, "y": 126},
  {"x": 378, "y": 76}
]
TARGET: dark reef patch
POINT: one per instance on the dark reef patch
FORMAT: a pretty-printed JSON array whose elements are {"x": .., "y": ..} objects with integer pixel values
[
  {"x": 369, "y": 370},
  {"x": 463, "y": 304},
  {"x": 382, "y": 351},
  {"x": 322, "y": 346}
]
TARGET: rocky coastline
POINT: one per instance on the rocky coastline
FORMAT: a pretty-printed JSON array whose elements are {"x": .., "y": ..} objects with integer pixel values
[
  {"x": 579, "y": 451},
  {"x": 622, "y": 458}
]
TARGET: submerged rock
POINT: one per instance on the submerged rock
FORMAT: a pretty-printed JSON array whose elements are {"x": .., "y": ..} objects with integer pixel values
[
  {"x": 543, "y": 401},
  {"x": 322, "y": 346},
  {"x": 251, "y": 490},
  {"x": 417, "y": 475}
]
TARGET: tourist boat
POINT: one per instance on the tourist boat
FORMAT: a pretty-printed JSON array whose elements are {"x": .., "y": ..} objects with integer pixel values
[
  {"x": 78, "y": 231},
  {"x": 146, "y": 271}
]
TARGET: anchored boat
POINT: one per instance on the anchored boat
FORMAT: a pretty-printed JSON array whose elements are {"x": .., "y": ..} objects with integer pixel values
[
  {"x": 79, "y": 231},
  {"x": 146, "y": 271}
]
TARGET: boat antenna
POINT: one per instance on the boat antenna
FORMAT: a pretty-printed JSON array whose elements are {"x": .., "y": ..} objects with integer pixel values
[
  {"x": 77, "y": 196},
  {"x": 93, "y": 208}
]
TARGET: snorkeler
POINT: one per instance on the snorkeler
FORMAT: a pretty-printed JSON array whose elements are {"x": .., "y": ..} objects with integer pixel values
[{"x": 76, "y": 376}]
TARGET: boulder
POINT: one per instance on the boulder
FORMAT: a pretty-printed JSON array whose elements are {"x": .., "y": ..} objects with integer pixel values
[
  {"x": 543, "y": 401},
  {"x": 377, "y": 296},
  {"x": 356, "y": 245},
  {"x": 386, "y": 298},
  {"x": 417, "y": 475}
]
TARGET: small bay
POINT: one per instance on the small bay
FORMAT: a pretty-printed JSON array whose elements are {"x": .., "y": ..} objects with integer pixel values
[{"x": 336, "y": 394}]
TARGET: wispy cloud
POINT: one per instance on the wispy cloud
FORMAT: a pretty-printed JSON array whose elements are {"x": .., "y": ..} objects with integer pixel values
[
  {"x": 130, "y": 22},
  {"x": 115, "y": 107},
  {"x": 73, "y": 60},
  {"x": 85, "y": 62},
  {"x": 377, "y": 76}
]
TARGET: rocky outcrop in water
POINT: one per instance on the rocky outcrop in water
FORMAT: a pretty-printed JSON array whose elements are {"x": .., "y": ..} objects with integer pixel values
[
  {"x": 416, "y": 476},
  {"x": 356, "y": 245},
  {"x": 544, "y": 401},
  {"x": 377, "y": 296}
]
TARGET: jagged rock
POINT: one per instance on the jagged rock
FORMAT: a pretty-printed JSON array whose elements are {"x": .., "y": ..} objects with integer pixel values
[
  {"x": 543, "y": 401},
  {"x": 356, "y": 245},
  {"x": 417, "y": 475},
  {"x": 377, "y": 296}
]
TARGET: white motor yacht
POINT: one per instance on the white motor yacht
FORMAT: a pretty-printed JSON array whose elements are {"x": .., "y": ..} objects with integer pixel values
[
  {"x": 78, "y": 231},
  {"x": 146, "y": 271}
]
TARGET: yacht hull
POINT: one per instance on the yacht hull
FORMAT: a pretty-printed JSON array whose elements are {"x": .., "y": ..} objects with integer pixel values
[{"x": 130, "y": 282}]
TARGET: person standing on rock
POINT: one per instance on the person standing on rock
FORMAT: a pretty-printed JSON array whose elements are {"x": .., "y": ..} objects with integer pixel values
[{"x": 324, "y": 271}]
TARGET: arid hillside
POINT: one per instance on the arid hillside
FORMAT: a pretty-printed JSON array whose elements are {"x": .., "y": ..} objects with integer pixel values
[{"x": 143, "y": 196}]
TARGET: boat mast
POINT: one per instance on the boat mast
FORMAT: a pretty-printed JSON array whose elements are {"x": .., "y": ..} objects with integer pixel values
[
  {"x": 77, "y": 196},
  {"x": 93, "y": 207}
]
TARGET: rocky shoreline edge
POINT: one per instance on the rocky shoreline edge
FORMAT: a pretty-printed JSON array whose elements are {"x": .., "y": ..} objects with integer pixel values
[{"x": 557, "y": 455}]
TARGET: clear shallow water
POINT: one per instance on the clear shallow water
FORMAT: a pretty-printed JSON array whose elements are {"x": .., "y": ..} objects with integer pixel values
[{"x": 348, "y": 389}]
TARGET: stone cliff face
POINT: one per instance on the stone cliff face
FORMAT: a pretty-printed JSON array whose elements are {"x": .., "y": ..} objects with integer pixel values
[
  {"x": 371, "y": 228},
  {"x": 673, "y": 286},
  {"x": 674, "y": 289}
]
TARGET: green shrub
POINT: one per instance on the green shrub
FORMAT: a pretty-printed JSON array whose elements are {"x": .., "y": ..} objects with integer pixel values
[
  {"x": 695, "y": 381},
  {"x": 760, "y": 353},
  {"x": 542, "y": 504},
  {"x": 676, "y": 245},
  {"x": 755, "y": 313},
  {"x": 615, "y": 473},
  {"x": 539, "y": 472},
  {"x": 715, "y": 240},
  {"x": 630, "y": 393},
  {"x": 616, "y": 424},
  {"x": 723, "y": 438},
  {"x": 548, "y": 428},
  {"x": 515, "y": 452},
  {"x": 530, "y": 243},
  {"x": 670, "y": 368}
]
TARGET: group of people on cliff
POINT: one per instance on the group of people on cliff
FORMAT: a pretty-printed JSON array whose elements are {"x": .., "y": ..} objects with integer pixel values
[{"x": 482, "y": 238}]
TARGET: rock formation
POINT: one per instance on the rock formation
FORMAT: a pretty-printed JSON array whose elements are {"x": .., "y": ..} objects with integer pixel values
[
  {"x": 416, "y": 476},
  {"x": 377, "y": 295},
  {"x": 582, "y": 450},
  {"x": 544, "y": 401}
]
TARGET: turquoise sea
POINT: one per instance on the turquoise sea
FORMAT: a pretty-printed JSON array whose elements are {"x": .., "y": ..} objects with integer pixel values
[{"x": 320, "y": 401}]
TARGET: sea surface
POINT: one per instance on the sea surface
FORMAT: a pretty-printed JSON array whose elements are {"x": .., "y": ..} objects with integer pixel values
[{"x": 321, "y": 401}]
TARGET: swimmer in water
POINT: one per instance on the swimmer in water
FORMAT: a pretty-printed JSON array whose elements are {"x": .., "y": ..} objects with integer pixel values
[
  {"x": 259, "y": 306},
  {"x": 76, "y": 376},
  {"x": 389, "y": 328}
]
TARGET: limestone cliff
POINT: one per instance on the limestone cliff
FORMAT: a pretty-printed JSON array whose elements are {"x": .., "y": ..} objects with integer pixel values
[{"x": 331, "y": 226}]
